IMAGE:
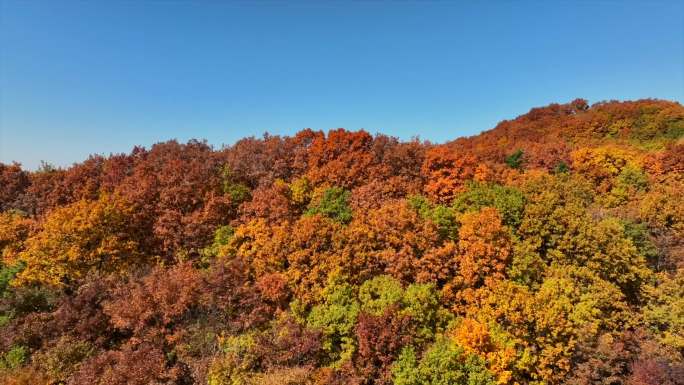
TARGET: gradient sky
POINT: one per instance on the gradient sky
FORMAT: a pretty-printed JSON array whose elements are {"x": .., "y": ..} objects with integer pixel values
[{"x": 98, "y": 77}]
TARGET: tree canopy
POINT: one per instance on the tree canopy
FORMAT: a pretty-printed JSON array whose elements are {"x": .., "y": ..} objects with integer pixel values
[{"x": 548, "y": 250}]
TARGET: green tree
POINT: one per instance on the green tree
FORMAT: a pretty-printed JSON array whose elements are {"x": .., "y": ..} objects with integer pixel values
[
  {"x": 515, "y": 160},
  {"x": 238, "y": 192},
  {"x": 509, "y": 201},
  {"x": 444, "y": 363},
  {"x": 561, "y": 168},
  {"x": 336, "y": 317},
  {"x": 664, "y": 313},
  {"x": 13, "y": 358},
  {"x": 222, "y": 237},
  {"x": 378, "y": 293},
  {"x": 334, "y": 204},
  {"x": 422, "y": 303},
  {"x": 442, "y": 216}
]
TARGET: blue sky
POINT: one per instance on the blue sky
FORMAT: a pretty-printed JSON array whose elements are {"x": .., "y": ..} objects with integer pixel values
[{"x": 98, "y": 77}]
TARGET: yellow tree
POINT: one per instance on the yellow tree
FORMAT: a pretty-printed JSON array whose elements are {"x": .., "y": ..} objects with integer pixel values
[
  {"x": 79, "y": 238},
  {"x": 601, "y": 165},
  {"x": 314, "y": 244},
  {"x": 263, "y": 248},
  {"x": 546, "y": 326},
  {"x": 477, "y": 338},
  {"x": 14, "y": 229},
  {"x": 483, "y": 251}
]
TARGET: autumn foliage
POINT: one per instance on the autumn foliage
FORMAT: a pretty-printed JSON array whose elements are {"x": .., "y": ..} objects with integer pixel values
[{"x": 548, "y": 250}]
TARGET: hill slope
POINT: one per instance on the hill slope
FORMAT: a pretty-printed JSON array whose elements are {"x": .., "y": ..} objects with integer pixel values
[{"x": 548, "y": 250}]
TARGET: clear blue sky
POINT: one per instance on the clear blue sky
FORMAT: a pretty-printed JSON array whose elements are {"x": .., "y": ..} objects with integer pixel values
[{"x": 99, "y": 77}]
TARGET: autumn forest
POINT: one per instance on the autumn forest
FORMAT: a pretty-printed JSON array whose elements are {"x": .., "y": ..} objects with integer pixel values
[{"x": 547, "y": 250}]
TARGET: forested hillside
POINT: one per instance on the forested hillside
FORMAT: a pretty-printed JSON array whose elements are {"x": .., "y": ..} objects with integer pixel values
[{"x": 548, "y": 250}]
